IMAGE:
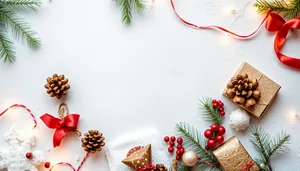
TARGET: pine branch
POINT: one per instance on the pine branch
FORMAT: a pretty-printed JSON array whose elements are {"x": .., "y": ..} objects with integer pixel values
[
  {"x": 126, "y": 10},
  {"x": 210, "y": 114},
  {"x": 20, "y": 29},
  {"x": 139, "y": 5},
  {"x": 6, "y": 47},
  {"x": 291, "y": 10},
  {"x": 279, "y": 144},
  {"x": 261, "y": 140},
  {"x": 194, "y": 140},
  {"x": 21, "y": 5},
  {"x": 182, "y": 167}
]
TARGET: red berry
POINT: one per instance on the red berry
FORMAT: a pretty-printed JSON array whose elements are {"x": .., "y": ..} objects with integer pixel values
[
  {"x": 222, "y": 113},
  {"x": 47, "y": 165},
  {"x": 173, "y": 138},
  {"x": 215, "y": 105},
  {"x": 221, "y": 130},
  {"x": 221, "y": 104},
  {"x": 171, "y": 149},
  {"x": 208, "y": 134},
  {"x": 178, "y": 157},
  {"x": 177, "y": 152},
  {"x": 179, "y": 146},
  {"x": 179, "y": 140},
  {"x": 211, "y": 143},
  {"x": 181, "y": 150},
  {"x": 219, "y": 101},
  {"x": 29, "y": 155},
  {"x": 214, "y": 127},
  {"x": 220, "y": 139},
  {"x": 221, "y": 109},
  {"x": 214, "y": 101},
  {"x": 172, "y": 143},
  {"x": 206, "y": 147},
  {"x": 166, "y": 139}
]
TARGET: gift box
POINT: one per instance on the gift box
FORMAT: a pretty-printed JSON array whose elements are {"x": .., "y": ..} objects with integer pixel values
[
  {"x": 266, "y": 89},
  {"x": 138, "y": 157},
  {"x": 233, "y": 157}
]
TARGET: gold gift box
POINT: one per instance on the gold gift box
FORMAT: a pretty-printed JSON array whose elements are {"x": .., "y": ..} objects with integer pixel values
[
  {"x": 268, "y": 88},
  {"x": 233, "y": 157}
]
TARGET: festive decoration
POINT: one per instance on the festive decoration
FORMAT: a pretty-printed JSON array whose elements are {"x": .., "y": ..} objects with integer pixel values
[
  {"x": 57, "y": 86},
  {"x": 159, "y": 167},
  {"x": 139, "y": 158},
  {"x": 239, "y": 120},
  {"x": 127, "y": 7},
  {"x": 19, "y": 28},
  {"x": 243, "y": 90},
  {"x": 180, "y": 150},
  {"x": 233, "y": 156},
  {"x": 63, "y": 125},
  {"x": 211, "y": 110},
  {"x": 19, "y": 156},
  {"x": 289, "y": 8},
  {"x": 268, "y": 147},
  {"x": 189, "y": 158},
  {"x": 267, "y": 87},
  {"x": 279, "y": 39},
  {"x": 93, "y": 141}
]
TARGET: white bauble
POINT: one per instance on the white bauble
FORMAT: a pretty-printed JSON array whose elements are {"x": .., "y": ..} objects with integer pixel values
[
  {"x": 189, "y": 158},
  {"x": 239, "y": 119}
]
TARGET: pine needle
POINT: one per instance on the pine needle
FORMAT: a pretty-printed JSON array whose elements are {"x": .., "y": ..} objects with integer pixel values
[
  {"x": 21, "y": 5},
  {"x": 290, "y": 10},
  {"x": 127, "y": 6},
  {"x": 210, "y": 114},
  {"x": 6, "y": 47},
  {"x": 195, "y": 141}
]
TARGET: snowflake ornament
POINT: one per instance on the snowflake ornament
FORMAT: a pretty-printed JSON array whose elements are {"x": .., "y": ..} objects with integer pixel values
[{"x": 19, "y": 156}]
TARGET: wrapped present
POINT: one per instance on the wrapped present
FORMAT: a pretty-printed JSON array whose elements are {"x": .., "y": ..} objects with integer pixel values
[
  {"x": 139, "y": 157},
  {"x": 251, "y": 90},
  {"x": 233, "y": 157}
]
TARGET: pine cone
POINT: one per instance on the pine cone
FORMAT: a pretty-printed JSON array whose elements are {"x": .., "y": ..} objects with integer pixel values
[
  {"x": 159, "y": 167},
  {"x": 57, "y": 86},
  {"x": 93, "y": 141},
  {"x": 243, "y": 90}
]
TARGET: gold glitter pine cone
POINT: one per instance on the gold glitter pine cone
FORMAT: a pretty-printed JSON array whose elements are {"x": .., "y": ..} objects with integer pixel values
[
  {"x": 243, "y": 90},
  {"x": 57, "y": 86},
  {"x": 93, "y": 141},
  {"x": 160, "y": 167}
]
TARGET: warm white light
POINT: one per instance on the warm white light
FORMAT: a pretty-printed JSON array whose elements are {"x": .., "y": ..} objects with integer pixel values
[
  {"x": 229, "y": 9},
  {"x": 225, "y": 39}
]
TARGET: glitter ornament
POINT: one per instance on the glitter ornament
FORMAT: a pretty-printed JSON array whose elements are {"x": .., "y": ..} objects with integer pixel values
[
  {"x": 189, "y": 158},
  {"x": 239, "y": 119}
]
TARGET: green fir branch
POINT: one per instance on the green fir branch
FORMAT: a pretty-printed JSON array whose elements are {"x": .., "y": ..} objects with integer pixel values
[
  {"x": 291, "y": 9},
  {"x": 20, "y": 29},
  {"x": 210, "y": 114},
  {"x": 6, "y": 47},
  {"x": 127, "y": 6},
  {"x": 182, "y": 167},
  {"x": 21, "y": 5},
  {"x": 279, "y": 144},
  {"x": 194, "y": 140}
]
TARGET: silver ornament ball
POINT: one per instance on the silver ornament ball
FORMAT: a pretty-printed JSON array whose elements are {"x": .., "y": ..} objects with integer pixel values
[
  {"x": 189, "y": 158},
  {"x": 262, "y": 165}
]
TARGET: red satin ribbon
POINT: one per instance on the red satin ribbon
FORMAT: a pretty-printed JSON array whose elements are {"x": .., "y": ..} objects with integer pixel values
[
  {"x": 274, "y": 23},
  {"x": 248, "y": 166},
  {"x": 149, "y": 167},
  {"x": 68, "y": 124}
]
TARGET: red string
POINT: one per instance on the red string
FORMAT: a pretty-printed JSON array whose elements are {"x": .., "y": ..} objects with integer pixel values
[
  {"x": 248, "y": 166},
  {"x": 218, "y": 27},
  {"x": 24, "y": 107},
  {"x": 208, "y": 163},
  {"x": 70, "y": 165}
]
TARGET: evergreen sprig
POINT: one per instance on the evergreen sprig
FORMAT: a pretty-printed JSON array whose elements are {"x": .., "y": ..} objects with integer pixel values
[
  {"x": 210, "y": 114},
  {"x": 127, "y": 6},
  {"x": 195, "y": 142},
  {"x": 290, "y": 9},
  {"x": 268, "y": 147},
  {"x": 20, "y": 29}
]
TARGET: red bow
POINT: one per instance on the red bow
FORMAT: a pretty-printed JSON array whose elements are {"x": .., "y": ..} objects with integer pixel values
[
  {"x": 68, "y": 124},
  {"x": 248, "y": 166},
  {"x": 276, "y": 23},
  {"x": 149, "y": 167}
]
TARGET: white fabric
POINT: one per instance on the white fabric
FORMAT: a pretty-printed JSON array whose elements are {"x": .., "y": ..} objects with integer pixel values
[
  {"x": 117, "y": 150},
  {"x": 14, "y": 157}
]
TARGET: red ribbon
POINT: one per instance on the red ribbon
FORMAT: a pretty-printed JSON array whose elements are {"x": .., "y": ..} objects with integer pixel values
[
  {"x": 248, "y": 166},
  {"x": 147, "y": 168},
  {"x": 274, "y": 23},
  {"x": 68, "y": 124}
]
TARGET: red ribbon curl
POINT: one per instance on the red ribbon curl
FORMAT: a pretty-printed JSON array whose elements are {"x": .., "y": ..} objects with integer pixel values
[
  {"x": 149, "y": 167},
  {"x": 274, "y": 22},
  {"x": 248, "y": 166},
  {"x": 68, "y": 124}
]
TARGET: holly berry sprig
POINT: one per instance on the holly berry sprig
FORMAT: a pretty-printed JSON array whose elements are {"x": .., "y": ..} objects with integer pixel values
[
  {"x": 214, "y": 136},
  {"x": 180, "y": 149},
  {"x": 218, "y": 104}
]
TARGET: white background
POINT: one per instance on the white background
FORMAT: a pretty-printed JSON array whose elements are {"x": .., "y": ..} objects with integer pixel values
[{"x": 150, "y": 74}]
